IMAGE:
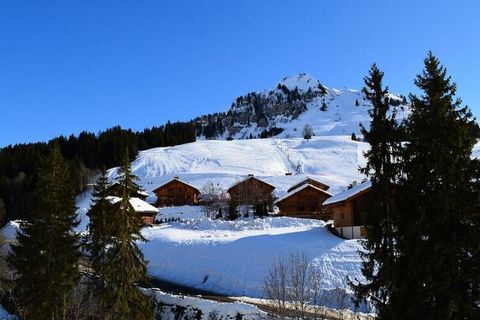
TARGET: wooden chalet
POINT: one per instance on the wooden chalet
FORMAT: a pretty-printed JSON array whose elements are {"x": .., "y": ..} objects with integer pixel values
[
  {"x": 309, "y": 181},
  {"x": 176, "y": 193},
  {"x": 251, "y": 191},
  {"x": 349, "y": 210},
  {"x": 116, "y": 190},
  {"x": 304, "y": 202}
]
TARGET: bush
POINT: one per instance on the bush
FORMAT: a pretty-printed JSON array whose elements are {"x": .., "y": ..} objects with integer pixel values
[{"x": 307, "y": 131}]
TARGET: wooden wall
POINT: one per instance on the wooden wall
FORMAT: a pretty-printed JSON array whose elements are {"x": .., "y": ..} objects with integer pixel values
[
  {"x": 176, "y": 193},
  {"x": 251, "y": 192},
  {"x": 306, "y": 203}
]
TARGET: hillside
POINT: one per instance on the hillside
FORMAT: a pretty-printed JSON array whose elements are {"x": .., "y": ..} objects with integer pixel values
[
  {"x": 234, "y": 257},
  {"x": 284, "y": 110}
]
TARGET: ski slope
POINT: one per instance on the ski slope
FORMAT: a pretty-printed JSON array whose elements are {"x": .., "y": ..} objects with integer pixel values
[{"x": 332, "y": 159}]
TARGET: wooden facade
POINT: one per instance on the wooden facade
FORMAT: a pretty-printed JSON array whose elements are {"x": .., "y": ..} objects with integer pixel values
[
  {"x": 304, "y": 202},
  {"x": 350, "y": 213},
  {"x": 251, "y": 191},
  {"x": 176, "y": 193},
  {"x": 309, "y": 181}
]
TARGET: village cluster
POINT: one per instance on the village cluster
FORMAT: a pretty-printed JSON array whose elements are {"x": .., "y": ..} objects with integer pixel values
[{"x": 308, "y": 198}]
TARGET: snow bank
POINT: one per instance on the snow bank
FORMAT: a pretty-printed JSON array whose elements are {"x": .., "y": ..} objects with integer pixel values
[
  {"x": 234, "y": 257},
  {"x": 195, "y": 306},
  {"x": 5, "y": 315}
]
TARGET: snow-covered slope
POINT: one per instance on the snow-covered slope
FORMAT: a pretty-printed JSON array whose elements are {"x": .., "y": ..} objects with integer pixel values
[
  {"x": 294, "y": 102},
  {"x": 333, "y": 160},
  {"x": 235, "y": 257}
]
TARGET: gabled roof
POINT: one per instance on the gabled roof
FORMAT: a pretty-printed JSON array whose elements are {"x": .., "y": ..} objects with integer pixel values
[
  {"x": 349, "y": 193},
  {"x": 137, "y": 204},
  {"x": 305, "y": 186},
  {"x": 139, "y": 192},
  {"x": 307, "y": 181},
  {"x": 248, "y": 178},
  {"x": 175, "y": 179}
]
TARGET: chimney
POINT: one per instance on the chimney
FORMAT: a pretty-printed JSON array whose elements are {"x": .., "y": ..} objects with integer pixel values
[
  {"x": 176, "y": 177},
  {"x": 250, "y": 175}
]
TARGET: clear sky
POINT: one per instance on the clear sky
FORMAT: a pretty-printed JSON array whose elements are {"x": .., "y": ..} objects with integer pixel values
[{"x": 68, "y": 66}]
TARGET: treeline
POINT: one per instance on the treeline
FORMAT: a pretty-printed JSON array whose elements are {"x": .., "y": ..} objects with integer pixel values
[{"x": 85, "y": 154}]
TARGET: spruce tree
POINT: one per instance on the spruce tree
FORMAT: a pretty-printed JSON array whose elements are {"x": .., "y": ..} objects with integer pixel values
[
  {"x": 378, "y": 257},
  {"x": 45, "y": 256},
  {"x": 100, "y": 215},
  {"x": 125, "y": 267},
  {"x": 436, "y": 258}
]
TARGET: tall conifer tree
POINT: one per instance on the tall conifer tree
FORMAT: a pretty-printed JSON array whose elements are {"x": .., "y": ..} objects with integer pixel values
[
  {"x": 383, "y": 137},
  {"x": 100, "y": 215},
  {"x": 439, "y": 280},
  {"x": 46, "y": 253},
  {"x": 125, "y": 267}
]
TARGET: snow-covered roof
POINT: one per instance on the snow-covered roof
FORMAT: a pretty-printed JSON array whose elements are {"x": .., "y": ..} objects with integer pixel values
[
  {"x": 306, "y": 180},
  {"x": 349, "y": 193},
  {"x": 139, "y": 192},
  {"x": 138, "y": 204},
  {"x": 247, "y": 178},
  {"x": 176, "y": 179},
  {"x": 294, "y": 191}
]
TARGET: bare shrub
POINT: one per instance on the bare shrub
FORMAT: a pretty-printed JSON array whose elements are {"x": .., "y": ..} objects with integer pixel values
[
  {"x": 292, "y": 285},
  {"x": 215, "y": 200}
]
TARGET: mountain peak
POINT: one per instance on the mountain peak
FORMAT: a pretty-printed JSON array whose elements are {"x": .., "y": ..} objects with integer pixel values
[{"x": 302, "y": 81}]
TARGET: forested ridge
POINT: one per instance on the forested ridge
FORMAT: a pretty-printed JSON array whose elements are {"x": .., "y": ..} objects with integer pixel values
[{"x": 85, "y": 153}]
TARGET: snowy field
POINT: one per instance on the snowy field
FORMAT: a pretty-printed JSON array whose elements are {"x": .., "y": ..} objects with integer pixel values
[{"x": 234, "y": 257}]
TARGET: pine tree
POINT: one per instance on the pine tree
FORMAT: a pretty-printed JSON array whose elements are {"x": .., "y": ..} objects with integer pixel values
[
  {"x": 378, "y": 257},
  {"x": 3, "y": 212},
  {"x": 437, "y": 262},
  {"x": 100, "y": 235},
  {"x": 125, "y": 267},
  {"x": 46, "y": 253}
]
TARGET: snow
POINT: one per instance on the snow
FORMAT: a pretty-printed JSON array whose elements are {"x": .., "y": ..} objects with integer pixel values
[
  {"x": 180, "y": 212},
  {"x": 174, "y": 179},
  {"x": 246, "y": 179},
  {"x": 9, "y": 232},
  {"x": 138, "y": 204},
  {"x": 298, "y": 190},
  {"x": 342, "y": 117},
  {"x": 226, "y": 310},
  {"x": 334, "y": 160},
  {"x": 5, "y": 315},
  {"x": 347, "y": 194},
  {"x": 301, "y": 81},
  {"x": 234, "y": 257}
]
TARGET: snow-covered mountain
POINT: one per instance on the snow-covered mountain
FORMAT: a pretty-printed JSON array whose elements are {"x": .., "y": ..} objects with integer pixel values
[{"x": 284, "y": 110}]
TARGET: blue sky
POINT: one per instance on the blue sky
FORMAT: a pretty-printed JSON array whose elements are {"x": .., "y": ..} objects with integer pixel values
[{"x": 68, "y": 66}]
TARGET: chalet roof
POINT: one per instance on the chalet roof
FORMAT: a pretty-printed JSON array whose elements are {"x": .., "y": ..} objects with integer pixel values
[
  {"x": 349, "y": 193},
  {"x": 138, "y": 205},
  {"x": 175, "y": 179},
  {"x": 140, "y": 192},
  {"x": 306, "y": 181},
  {"x": 288, "y": 195},
  {"x": 248, "y": 178}
]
